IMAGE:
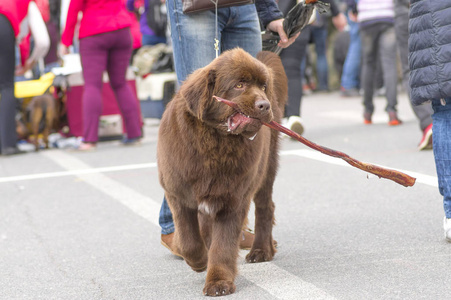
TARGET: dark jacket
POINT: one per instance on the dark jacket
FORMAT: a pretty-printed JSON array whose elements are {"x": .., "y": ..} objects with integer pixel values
[
  {"x": 267, "y": 11},
  {"x": 430, "y": 50}
]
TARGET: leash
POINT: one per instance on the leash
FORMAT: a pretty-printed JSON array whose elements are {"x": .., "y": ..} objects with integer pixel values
[{"x": 216, "y": 44}]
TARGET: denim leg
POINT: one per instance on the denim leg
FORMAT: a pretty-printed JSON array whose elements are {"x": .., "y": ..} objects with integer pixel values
[
  {"x": 387, "y": 53},
  {"x": 193, "y": 35},
  {"x": 350, "y": 79},
  {"x": 322, "y": 69},
  {"x": 441, "y": 139},
  {"x": 165, "y": 220}
]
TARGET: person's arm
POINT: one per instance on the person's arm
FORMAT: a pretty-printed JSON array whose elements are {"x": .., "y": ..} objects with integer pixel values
[
  {"x": 130, "y": 4},
  {"x": 271, "y": 18},
  {"x": 75, "y": 7},
  {"x": 40, "y": 36}
]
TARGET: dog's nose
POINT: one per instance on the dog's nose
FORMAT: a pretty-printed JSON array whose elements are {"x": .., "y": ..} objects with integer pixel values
[{"x": 262, "y": 105}]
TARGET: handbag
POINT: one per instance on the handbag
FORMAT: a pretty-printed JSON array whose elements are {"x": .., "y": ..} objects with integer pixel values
[{"x": 193, "y": 6}]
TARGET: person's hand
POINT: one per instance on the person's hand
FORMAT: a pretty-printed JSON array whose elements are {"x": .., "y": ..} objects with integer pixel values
[
  {"x": 352, "y": 16},
  {"x": 62, "y": 50},
  {"x": 277, "y": 26},
  {"x": 340, "y": 21},
  {"x": 21, "y": 70}
]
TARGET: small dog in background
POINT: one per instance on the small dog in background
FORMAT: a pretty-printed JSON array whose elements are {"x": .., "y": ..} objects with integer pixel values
[{"x": 41, "y": 117}]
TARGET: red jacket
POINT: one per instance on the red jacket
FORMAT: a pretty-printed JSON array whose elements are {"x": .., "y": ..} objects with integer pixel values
[
  {"x": 15, "y": 11},
  {"x": 99, "y": 16}
]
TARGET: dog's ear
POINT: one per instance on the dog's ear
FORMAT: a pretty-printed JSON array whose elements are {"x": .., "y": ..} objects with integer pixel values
[{"x": 197, "y": 91}]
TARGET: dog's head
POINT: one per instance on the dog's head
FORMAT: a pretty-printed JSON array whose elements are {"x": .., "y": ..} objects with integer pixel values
[{"x": 236, "y": 76}]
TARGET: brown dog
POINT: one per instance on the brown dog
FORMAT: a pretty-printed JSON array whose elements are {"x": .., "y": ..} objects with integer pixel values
[
  {"x": 41, "y": 118},
  {"x": 213, "y": 160}
]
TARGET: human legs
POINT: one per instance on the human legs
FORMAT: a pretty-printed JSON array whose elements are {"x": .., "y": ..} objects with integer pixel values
[
  {"x": 441, "y": 139},
  {"x": 117, "y": 64},
  {"x": 319, "y": 35},
  {"x": 350, "y": 79},
  {"x": 387, "y": 54},
  {"x": 291, "y": 59},
  {"x": 369, "y": 37},
  {"x": 8, "y": 135},
  {"x": 93, "y": 55},
  {"x": 193, "y": 35}
]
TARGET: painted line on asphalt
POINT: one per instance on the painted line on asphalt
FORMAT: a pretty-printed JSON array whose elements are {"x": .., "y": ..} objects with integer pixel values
[
  {"x": 87, "y": 170},
  {"x": 141, "y": 205},
  {"x": 310, "y": 154}
]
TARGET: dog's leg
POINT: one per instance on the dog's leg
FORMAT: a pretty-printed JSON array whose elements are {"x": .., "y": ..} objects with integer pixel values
[
  {"x": 205, "y": 223},
  {"x": 223, "y": 254},
  {"x": 36, "y": 117},
  {"x": 263, "y": 248},
  {"x": 187, "y": 238}
]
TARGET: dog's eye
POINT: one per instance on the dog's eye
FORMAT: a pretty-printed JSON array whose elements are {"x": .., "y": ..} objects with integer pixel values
[
  {"x": 264, "y": 88},
  {"x": 239, "y": 85}
]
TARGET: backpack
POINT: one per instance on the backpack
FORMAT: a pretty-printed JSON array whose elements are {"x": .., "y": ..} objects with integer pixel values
[{"x": 156, "y": 17}]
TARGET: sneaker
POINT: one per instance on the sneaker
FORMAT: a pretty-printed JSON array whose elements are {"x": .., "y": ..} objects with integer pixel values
[
  {"x": 393, "y": 119},
  {"x": 295, "y": 124},
  {"x": 426, "y": 141},
  {"x": 367, "y": 118},
  {"x": 348, "y": 93},
  {"x": 447, "y": 228}
]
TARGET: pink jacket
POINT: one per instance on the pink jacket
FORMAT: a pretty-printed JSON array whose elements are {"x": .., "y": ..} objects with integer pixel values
[
  {"x": 15, "y": 11},
  {"x": 99, "y": 16}
]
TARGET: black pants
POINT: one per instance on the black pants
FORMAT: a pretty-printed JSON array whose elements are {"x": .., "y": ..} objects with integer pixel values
[
  {"x": 8, "y": 135},
  {"x": 291, "y": 59}
]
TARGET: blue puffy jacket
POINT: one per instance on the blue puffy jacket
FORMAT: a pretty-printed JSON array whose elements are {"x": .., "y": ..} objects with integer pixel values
[{"x": 430, "y": 50}]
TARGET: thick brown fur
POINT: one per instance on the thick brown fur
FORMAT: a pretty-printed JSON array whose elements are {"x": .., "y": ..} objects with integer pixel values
[{"x": 211, "y": 171}]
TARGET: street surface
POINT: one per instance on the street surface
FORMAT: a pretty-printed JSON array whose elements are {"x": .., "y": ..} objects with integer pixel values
[{"x": 85, "y": 225}]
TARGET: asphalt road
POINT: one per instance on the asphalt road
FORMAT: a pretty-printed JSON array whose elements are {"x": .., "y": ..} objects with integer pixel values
[{"x": 85, "y": 225}]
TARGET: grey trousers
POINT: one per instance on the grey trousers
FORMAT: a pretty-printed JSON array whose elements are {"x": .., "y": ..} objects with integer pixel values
[{"x": 379, "y": 40}]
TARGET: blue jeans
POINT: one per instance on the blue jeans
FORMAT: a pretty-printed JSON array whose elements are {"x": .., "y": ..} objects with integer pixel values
[
  {"x": 193, "y": 35},
  {"x": 319, "y": 35},
  {"x": 193, "y": 38},
  {"x": 441, "y": 139},
  {"x": 350, "y": 78}
]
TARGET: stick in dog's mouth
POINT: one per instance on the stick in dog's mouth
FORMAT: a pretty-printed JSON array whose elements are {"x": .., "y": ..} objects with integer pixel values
[{"x": 396, "y": 176}]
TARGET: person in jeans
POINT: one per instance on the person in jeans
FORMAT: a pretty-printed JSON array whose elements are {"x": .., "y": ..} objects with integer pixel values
[
  {"x": 350, "y": 78},
  {"x": 422, "y": 112},
  {"x": 378, "y": 38},
  {"x": 105, "y": 44},
  {"x": 430, "y": 78},
  {"x": 193, "y": 40}
]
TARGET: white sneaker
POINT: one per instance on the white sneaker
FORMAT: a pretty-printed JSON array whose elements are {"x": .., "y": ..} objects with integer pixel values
[
  {"x": 447, "y": 227},
  {"x": 295, "y": 124}
]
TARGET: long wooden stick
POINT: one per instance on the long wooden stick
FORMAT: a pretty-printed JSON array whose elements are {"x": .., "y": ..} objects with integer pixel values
[{"x": 396, "y": 176}]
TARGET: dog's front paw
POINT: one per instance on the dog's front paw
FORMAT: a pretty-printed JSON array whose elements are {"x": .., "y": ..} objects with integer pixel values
[
  {"x": 219, "y": 288},
  {"x": 259, "y": 255}
]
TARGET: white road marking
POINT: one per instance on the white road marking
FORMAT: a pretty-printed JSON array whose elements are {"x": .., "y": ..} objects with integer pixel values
[{"x": 141, "y": 205}]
